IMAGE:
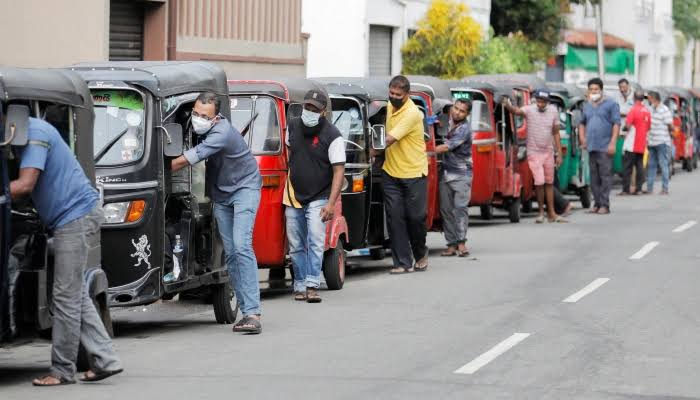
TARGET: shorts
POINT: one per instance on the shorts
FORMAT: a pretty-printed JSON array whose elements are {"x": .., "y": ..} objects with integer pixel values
[{"x": 542, "y": 167}]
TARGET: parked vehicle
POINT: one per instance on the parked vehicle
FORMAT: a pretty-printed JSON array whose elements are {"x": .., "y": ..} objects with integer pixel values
[
  {"x": 142, "y": 113},
  {"x": 62, "y": 99},
  {"x": 260, "y": 109},
  {"x": 683, "y": 139}
]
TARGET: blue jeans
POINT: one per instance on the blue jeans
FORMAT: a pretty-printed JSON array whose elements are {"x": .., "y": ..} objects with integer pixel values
[
  {"x": 658, "y": 155},
  {"x": 307, "y": 237},
  {"x": 236, "y": 220}
]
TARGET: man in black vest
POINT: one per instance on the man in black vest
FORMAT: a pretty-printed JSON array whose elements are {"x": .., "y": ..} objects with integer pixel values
[{"x": 316, "y": 152}]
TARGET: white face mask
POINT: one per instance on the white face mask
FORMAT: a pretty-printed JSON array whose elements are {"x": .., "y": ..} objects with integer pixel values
[
  {"x": 201, "y": 125},
  {"x": 310, "y": 118},
  {"x": 595, "y": 96}
]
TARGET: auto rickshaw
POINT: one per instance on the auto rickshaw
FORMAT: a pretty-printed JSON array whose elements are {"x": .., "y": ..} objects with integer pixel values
[
  {"x": 142, "y": 113},
  {"x": 496, "y": 180},
  {"x": 26, "y": 261},
  {"x": 695, "y": 117},
  {"x": 260, "y": 109},
  {"x": 683, "y": 138}
]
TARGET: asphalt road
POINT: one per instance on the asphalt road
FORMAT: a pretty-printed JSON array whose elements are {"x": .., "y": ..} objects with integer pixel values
[{"x": 557, "y": 311}]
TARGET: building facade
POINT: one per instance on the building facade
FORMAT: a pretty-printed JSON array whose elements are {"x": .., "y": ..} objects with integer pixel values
[
  {"x": 243, "y": 36},
  {"x": 364, "y": 37}
]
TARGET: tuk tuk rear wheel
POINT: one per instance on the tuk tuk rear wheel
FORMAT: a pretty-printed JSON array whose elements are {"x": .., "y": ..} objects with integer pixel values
[
  {"x": 334, "y": 266},
  {"x": 487, "y": 212},
  {"x": 514, "y": 210},
  {"x": 225, "y": 304},
  {"x": 584, "y": 194}
]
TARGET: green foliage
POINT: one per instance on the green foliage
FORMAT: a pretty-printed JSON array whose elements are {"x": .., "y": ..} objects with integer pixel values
[
  {"x": 445, "y": 44},
  {"x": 686, "y": 17},
  {"x": 509, "y": 54},
  {"x": 539, "y": 20}
]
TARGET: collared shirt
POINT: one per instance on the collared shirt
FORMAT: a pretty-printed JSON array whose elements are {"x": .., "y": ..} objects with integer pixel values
[
  {"x": 599, "y": 120},
  {"x": 230, "y": 164},
  {"x": 639, "y": 123},
  {"x": 406, "y": 158},
  {"x": 661, "y": 117},
  {"x": 458, "y": 160},
  {"x": 625, "y": 104},
  {"x": 62, "y": 193},
  {"x": 539, "y": 128}
]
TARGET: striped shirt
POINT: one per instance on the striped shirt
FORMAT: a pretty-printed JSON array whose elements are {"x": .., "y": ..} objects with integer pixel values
[
  {"x": 540, "y": 138},
  {"x": 661, "y": 117}
]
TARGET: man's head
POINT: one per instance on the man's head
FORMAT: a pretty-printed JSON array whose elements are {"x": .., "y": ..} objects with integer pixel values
[
  {"x": 205, "y": 112},
  {"x": 399, "y": 88},
  {"x": 654, "y": 98},
  {"x": 638, "y": 96},
  {"x": 595, "y": 89},
  {"x": 541, "y": 99},
  {"x": 624, "y": 86},
  {"x": 315, "y": 104},
  {"x": 460, "y": 110}
]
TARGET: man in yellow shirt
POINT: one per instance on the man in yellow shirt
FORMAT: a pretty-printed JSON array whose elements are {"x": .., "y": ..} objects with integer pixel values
[{"x": 404, "y": 180}]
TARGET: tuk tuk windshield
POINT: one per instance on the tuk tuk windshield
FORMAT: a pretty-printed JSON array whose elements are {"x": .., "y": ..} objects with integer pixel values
[
  {"x": 349, "y": 123},
  {"x": 257, "y": 119},
  {"x": 480, "y": 117},
  {"x": 119, "y": 136}
]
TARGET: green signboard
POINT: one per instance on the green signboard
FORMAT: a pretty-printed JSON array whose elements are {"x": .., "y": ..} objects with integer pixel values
[
  {"x": 127, "y": 99},
  {"x": 462, "y": 95}
]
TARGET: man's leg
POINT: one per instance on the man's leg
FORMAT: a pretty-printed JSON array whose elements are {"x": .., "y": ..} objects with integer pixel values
[
  {"x": 415, "y": 204},
  {"x": 605, "y": 173},
  {"x": 595, "y": 178},
  {"x": 447, "y": 213},
  {"x": 539, "y": 190},
  {"x": 245, "y": 265},
  {"x": 93, "y": 335},
  {"x": 663, "y": 156},
  {"x": 651, "y": 172},
  {"x": 224, "y": 221},
  {"x": 536, "y": 164},
  {"x": 396, "y": 221},
  {"x": 316, "y": 239},
  {"x": 639, "y": 172},
  {"x": 462, "y": 193},
  {"x": 296, "y": 236},
  {"x": 628, "y": 162}
]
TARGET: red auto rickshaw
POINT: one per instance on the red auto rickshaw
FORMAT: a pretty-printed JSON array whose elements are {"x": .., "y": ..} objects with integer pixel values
[
  {"x": 678, "y": 101},
  {"x": 260, "y": 110},
  {"x": 496, "y": 181}
]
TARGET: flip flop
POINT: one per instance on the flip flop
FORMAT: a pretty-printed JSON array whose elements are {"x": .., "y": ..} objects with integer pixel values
[
  {"x": 100, "y": 375},
  {"x": 539, "y": 219},
  {"x": 248, "y": 325},
  {"x": 312, "y": 296},
  {"x": 448, "y": 253},
  {"x": 559, "y": 219},
  {"x": 300, "y": 296},
  {"x": 401, "y": 271},
  {"x": 593, "y": 211},
  {"x": 464, "y": 253},
  {"x": 61, "y": 381}
]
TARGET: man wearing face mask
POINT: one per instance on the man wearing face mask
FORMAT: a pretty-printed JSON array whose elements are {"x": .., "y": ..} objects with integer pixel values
[
  {"x": 316, "y": 172},
  {"x": 598, "y": 130},
  {"x": 404, "y": 180},
  {"x": 233, "y": 183},
  {"x": 542, "y": 137}
]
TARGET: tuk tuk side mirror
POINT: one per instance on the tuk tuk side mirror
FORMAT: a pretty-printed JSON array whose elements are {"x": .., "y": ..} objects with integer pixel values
[
  {"x": 16, "y": 125},
  {"x": 378, "y": 137},
  {"x": 173, "y": 140}
]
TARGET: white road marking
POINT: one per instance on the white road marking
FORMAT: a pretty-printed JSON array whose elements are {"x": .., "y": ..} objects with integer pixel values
[
  {"x": 586, "y": 290},
  {"x": 685, "y": 226},
  {"x": 644, "y": 251},
  {"x": 492, "y": 354}
]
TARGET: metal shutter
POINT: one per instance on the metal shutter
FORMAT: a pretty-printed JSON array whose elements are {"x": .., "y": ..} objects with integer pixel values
[
  {"x": 125, "y": 30},
  {"x": 380, "y": 50}
]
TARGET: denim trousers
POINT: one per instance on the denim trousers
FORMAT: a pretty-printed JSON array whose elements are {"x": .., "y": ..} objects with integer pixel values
[
  {"x": 658, "y": 157},
  {"x": 236, "y": 220},
  {"x": 306, "y": 233}
]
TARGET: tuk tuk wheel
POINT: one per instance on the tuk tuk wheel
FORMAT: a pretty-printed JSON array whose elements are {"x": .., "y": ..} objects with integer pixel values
[
  {"x": 487, "y": 212},
  {"x": 378, "y": 253},
  {"x": 225, "y": 304},
  {"x": 334, "y": 266},
  {"x": 584, "y": 194},
  {"x": 514, "y": 210},
  {"x": 527, "y": 205}
]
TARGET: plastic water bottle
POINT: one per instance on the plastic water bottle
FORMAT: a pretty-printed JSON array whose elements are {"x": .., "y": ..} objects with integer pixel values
[{"x": 178, "y": 250}]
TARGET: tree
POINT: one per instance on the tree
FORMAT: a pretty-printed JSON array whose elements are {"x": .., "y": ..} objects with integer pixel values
[
  {"x": 539, "y": 20},
  {"x": 686, "y": 17},
  {"x": 445, "y": 44},
  {"x": 507, "y": 54}
]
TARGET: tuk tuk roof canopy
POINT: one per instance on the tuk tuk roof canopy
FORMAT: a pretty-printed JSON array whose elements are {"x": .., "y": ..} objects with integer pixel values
[
  {"x": 51, "y": 85},
  {"x": 290, "y": 90},
  {"x": 497, "y": 87},
  {"x": 530, "y": 81},
  {"x": 161, "y": 78},
  {"x": 341, "y": 87},
  {"x": 436, "y": 87}
]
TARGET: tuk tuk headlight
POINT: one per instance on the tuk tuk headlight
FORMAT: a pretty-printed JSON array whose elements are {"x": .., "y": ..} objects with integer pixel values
[{"x": 127, "y": 211}]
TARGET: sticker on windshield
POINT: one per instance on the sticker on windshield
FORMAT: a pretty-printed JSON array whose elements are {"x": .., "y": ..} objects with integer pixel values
[
  {"x": 127, "y": 99},
  {"x": 113, "y": 111},
  {"x": 127, "y": 155}
]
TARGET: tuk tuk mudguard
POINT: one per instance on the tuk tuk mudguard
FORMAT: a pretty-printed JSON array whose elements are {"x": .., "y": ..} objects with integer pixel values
[{"x": 337, "y": 227}]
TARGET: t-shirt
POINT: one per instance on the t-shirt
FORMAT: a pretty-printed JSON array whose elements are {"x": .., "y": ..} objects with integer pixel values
[
  {"x": 639, "y": 121},
  {"x": 458, "y": 160},
  {"x": 599, "y": 120},
  {"x": 625, "y": 104},
  {"x": 63, "y": 192},
  {"x": 406, "y": 158},
  {"x": 539, "y": 128},
  {"x": 661, "y": 117},
  {"x": 230, "y": 164},
  {"x": 311, "y": 160}
]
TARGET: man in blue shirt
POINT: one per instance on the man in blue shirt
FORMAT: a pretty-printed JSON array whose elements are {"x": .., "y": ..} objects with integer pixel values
[
  {"x": 69, "y": 206},
  {"x": 600, "y": 125},
  {"x": 234, "y": 184},
  {"x": 456, "y": 180}
]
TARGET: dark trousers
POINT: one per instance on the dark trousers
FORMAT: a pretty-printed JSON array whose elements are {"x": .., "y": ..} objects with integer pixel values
[
  {"x": 405, "y": 208},
  {"x": 632, "y": 161},
  {"x": 601, "y": 178}
]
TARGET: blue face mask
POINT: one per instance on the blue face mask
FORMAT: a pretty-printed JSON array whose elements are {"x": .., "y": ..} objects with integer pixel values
[{"x": 310, "y": 118}]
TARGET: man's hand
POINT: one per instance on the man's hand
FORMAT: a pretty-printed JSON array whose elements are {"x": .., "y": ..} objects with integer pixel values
[
  {"x": 327, "y": 212},
  {"x": 443, "y": 148},
  {"x": 611, "y": 148},
  {"x": 558, "y": 160}
]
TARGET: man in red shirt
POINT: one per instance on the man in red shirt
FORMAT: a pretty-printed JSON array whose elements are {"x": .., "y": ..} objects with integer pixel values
[{"x": 637, "y": 126}]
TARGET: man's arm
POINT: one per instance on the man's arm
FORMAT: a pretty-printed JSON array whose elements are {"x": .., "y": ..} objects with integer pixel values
[
  {"x": 612, "y": 147},
  {"x": 179, "y": 163},
  {"x": 212, "y": 144},
  {"x": 24, "y": 185},
  {"x": 460, "y": 136},
  {"x": 328, "y": 211},
  {"x": 512, "y": 109},
  {"x": 582, "y": 135},
  {"x": 557, "y": 142}
]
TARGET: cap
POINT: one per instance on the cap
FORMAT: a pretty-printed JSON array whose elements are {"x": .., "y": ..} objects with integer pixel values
[
  {"x": 541, "y": 94},
  {"x": 316, "y": 98}
]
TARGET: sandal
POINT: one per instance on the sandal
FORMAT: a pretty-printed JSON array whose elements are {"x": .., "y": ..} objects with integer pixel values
[
  {"x": 464, "y": 253},
  {"x": 401, "y": 270},
  {"x": 604, "y": 211},
  {"x": 312, "y": 295},
  {"x": 451, "y": 251},
  {"x": 593, "y": 210},
  {"x": 100, "y": 375},
  {"x": 421, "y": 268},
  {"x": 539, "y": 219},
  {"x": 60, "y": 381},
  {"x": 300, "y": 296},
  {"x": 248, "y": 325},
  {"x": 558, "y": 219}
]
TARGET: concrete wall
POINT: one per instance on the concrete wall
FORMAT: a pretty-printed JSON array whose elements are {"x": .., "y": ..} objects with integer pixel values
[{"x": 53, "y": 33}]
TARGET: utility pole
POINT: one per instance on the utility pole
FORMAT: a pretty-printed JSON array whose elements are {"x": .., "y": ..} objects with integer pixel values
[{"x": 599, "y": 36}]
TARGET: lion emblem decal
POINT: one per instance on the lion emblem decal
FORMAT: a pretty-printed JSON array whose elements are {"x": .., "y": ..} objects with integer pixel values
[{"x": 143, "y": 251}]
